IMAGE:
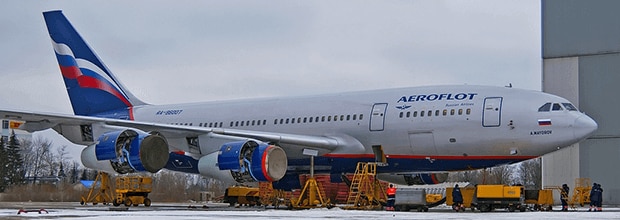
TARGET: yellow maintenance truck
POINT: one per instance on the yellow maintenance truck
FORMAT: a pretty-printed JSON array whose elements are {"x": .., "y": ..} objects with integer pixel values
[
  {"x": 486, "y": 198},
  {"x": 490, "y": 197},
  {"x": 242, "y": 195}
]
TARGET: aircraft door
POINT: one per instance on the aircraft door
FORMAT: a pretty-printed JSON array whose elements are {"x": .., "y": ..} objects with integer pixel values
[
  {"x": 492, "y": 112},
  {"x": 422, "y": 142},
  {"x": 377, "y": 116}
]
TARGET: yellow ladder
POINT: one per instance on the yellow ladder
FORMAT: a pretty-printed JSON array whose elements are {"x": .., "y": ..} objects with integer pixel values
[{"x": 365, "y": 188}]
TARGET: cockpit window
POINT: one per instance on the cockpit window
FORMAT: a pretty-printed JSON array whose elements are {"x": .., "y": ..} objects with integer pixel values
[
  {"x": 569, "y": 107},
  {"x": 545, "y": 108},
  {"x": 557, "y": 107}
]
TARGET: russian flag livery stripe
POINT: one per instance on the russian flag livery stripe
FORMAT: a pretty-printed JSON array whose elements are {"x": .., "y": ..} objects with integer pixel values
[
  {"x": 544, "y": 122},
  {"x": 92, "y": 88}
]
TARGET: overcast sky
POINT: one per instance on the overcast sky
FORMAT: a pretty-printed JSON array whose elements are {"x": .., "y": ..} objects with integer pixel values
[{"x": 189, "y": 51}]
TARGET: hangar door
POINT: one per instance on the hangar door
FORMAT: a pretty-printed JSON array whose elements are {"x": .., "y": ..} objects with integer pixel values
[{"x": 492, "y": 112}]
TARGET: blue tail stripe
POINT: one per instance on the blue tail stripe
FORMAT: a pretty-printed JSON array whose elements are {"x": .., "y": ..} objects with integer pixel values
[
  {"x": 65, "y": 60},
  {"x": 61, "y": 31}
]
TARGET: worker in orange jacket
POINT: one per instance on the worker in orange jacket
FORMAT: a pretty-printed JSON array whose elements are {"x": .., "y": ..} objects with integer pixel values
[{"x": 391, "y": 194}]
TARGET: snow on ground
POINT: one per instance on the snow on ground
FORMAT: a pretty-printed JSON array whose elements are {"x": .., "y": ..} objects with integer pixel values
[{"x": 162, "y": 213}]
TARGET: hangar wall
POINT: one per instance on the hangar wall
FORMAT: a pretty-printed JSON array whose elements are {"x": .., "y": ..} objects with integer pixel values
[{"x": 581, "y": 62}]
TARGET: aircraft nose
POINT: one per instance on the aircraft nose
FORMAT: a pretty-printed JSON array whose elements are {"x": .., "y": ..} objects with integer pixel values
[{"x": 584, "y": 127}]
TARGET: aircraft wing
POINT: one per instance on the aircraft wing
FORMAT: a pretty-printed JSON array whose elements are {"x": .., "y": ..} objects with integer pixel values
[{"x": 34, "y": 121}]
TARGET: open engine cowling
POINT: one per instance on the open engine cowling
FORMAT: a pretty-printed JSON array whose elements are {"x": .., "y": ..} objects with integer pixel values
[
  {"x": 127, "y": 151},
  {"x": 250, "y": 161}
]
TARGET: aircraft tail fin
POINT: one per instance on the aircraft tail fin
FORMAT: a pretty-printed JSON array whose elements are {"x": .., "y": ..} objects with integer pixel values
[{"x": 93, "y": 89}]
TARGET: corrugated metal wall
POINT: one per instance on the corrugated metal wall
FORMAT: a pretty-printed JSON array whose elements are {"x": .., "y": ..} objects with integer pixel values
[{"x": 581, "y": 62}]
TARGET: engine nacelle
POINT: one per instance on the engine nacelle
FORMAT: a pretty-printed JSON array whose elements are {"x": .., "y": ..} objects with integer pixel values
[
  {"x": 127, "y": 151},
  {"x": 249, "y": 161},
  {"x": 414, "y": 179}
]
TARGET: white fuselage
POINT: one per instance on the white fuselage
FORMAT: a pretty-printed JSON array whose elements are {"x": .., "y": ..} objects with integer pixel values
[{"x": 454, "y": 123}]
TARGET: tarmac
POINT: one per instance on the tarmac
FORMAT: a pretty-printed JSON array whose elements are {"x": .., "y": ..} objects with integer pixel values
[{"x": 73, "y": 210}]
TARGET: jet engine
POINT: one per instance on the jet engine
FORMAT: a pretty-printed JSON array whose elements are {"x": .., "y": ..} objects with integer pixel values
[
  {"x": 250, "y": 161},
  {"x": 415, "y": 178},
  {"x": 127, "y": 151}
]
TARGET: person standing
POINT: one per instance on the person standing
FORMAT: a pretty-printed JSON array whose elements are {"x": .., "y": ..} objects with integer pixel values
[
  {"x": 593, "y": 198},
  {"x": 564, "y": 197},
  {"x": 391, "y": 194},
  {"x": 457, "y": 198},
  {"x": 599, "y": 202}
]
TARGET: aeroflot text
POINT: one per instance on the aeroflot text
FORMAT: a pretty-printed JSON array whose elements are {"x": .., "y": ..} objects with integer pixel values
[{"x": 437, "y": 97}]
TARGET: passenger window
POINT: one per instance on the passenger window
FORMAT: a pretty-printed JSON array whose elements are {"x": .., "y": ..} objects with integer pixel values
[
  {"x": 545, "y": 108},
  {"x": 556, "y": 107},
  {"x": 430, "y": 113},
  {"x": 323, "y": 118},
  {"x": 415, "y": 114},
  {"x": 468, "y": 111},
  {"x": 253, "y": 122},
  {"x": 348, "y": 117},
  {"x": 311, "y": 119},
  {"x": 361, "y": 116},
  {"x": 460, "y": 111},
  {"x": 451, "y": 111},
  {"x": 436, "y": 112},
  {"x": 299, "y": 120},
  {"x": 306, "y": 119},
  {"x": 287, "y": 121},
  {"x": 292, "y": 121},
  {"x": 329, "y": 118},
  {"x": 400, "y": 115},
  {"x": 445, "y": 112},
  {"x": 421, "y": 113},
  {"x": 408, "y": 114},
  {"x": 281, "y": 121}
]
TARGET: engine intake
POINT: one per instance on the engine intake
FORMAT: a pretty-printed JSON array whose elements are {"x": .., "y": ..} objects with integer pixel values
[
  {"x": 127, "y": 151},
  {"x": 249, "y": 161}
]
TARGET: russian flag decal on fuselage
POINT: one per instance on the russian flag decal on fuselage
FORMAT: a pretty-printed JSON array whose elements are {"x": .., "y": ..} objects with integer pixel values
[{"x": 544, "y": 122}]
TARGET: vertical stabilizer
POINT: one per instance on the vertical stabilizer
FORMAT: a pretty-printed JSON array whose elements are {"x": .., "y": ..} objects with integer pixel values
[{"x": 93, "y": 89}]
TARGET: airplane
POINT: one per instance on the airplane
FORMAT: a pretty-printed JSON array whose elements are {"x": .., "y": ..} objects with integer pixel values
[{"x": 417, "y": 135}]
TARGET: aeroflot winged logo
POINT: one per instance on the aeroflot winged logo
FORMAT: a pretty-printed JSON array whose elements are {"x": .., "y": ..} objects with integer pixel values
[{"x": 437, "y": 97}]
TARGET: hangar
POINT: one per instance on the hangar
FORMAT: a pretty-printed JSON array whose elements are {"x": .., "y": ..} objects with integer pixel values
[{"x": 581, "y": 62}]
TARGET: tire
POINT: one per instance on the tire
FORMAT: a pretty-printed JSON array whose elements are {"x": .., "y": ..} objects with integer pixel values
[
  {"x": 114, "y": 203},
  {"x": 147, "y": 202},
  {"x": 512, "y": 208},
  {"x": 484, "y": 208},
  {"x": 127, "y": 202}
]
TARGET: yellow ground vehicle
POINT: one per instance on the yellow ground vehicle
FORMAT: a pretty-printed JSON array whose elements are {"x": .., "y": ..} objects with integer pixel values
[
  {"x": 489, "y": 197},
  {"x": 242, "y": 195},
  {"x": 133, "y": 190},
  {"x": 129, "y": 190},
  {"x": 467, "y": 193},
  {"x": 539, "y": 199}
]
